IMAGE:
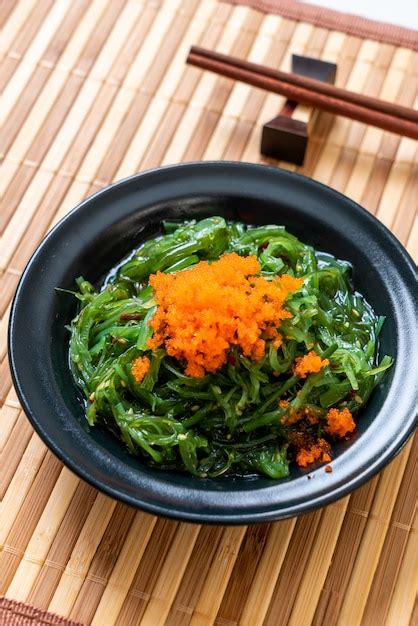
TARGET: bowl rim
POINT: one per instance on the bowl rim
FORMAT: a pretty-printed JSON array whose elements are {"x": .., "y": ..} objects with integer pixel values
[{"x": 157, "y": 506}]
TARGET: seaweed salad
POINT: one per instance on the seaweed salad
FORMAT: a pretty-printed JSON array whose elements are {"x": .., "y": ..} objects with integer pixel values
[{"x": 224, "y": 348}]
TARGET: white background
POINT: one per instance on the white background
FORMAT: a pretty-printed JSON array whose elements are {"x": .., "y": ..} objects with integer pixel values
[{"x": 400, "y": 12}]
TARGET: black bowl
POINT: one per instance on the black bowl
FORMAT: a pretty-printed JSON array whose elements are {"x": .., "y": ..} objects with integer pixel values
[{"x": 104, "y": 228}]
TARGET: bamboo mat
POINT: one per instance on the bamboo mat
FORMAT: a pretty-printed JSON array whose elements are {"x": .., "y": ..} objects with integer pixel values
[{"x": 97, "y": 90}]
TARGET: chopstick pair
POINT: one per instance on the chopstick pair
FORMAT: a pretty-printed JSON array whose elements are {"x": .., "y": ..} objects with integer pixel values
[{"x": 392, "y": 117}]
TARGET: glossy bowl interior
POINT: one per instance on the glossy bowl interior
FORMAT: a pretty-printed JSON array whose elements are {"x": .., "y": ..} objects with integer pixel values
[{"x": 104, "y": 228}]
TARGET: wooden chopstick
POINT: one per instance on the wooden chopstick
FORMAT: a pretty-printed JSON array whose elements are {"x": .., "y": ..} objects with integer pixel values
[
  {"x": 388, "y": 116},
  {"x": 315, "y": 85}
]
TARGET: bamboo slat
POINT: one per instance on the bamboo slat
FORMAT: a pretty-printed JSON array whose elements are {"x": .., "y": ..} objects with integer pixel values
[
  {"x": 124, "y": 569},
  {"x": 20, "y": 485},
  {"x": 191, "y": 585},
  {"x": 170, "y": 575},
  {"x": 61, "y": 547},
  {"x": 15, "y": 20},
  {"x": 372, "y": 540},
  {"x": 95, "y": 91},
  {"x": 43, "y": 535},
  {"x": 69, "y": 584},
  {"x": 103, "y": 561},
  {"x": 9, "y": 415},
  {"x": 146, "y": 575},
  {"x": 260, "y": 593}
]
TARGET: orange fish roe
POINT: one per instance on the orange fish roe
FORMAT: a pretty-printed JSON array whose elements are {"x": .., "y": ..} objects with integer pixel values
[
  {"x": 315, "y": 452},
  {"x": 272, "y": 333},
  {"x": 140, "y": 367},
  {"x": 312, "y": 419},
  {"x": 309, "y": 364},
  {"x": 203, "y": 311},
  {"x": 293, "y": 416},
  {"x": 340, "y": 422}
]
